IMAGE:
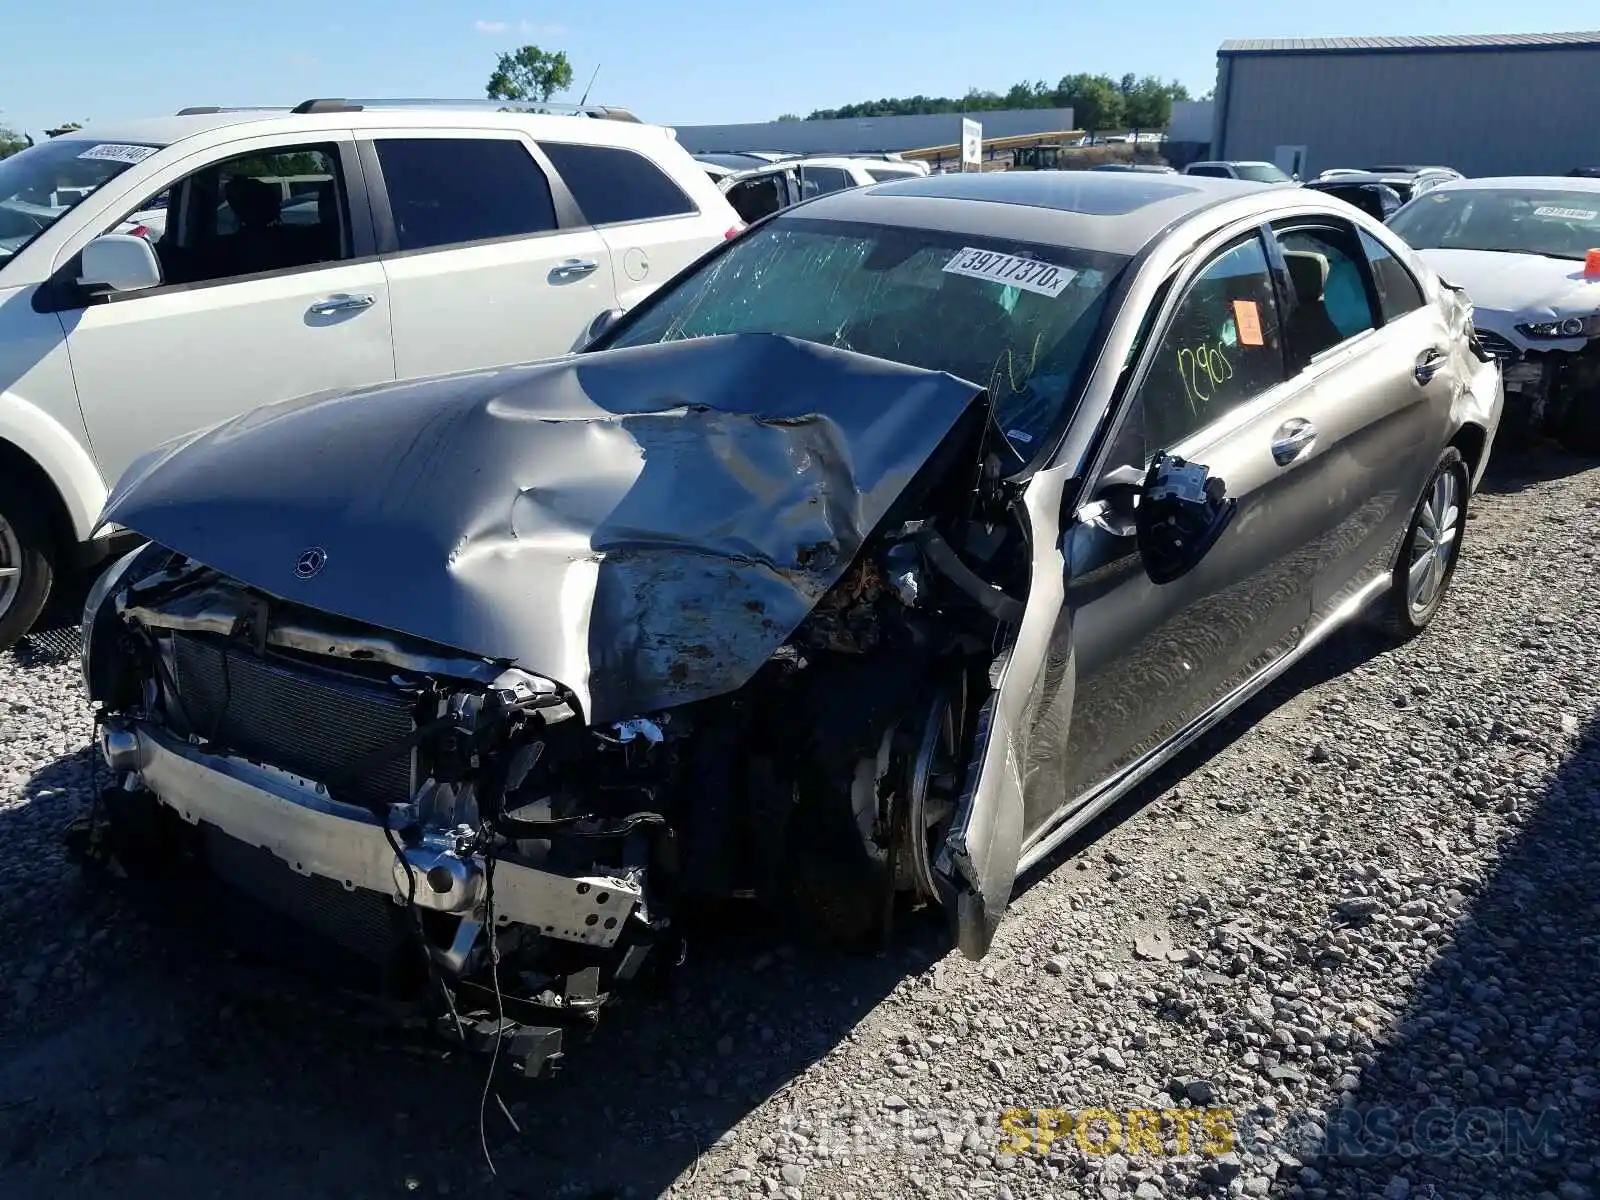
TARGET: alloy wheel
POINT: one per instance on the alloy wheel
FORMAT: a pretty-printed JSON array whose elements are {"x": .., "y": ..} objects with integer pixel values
[
  {"x": 1433, "y": 545},
  {"x": 10, "y": 566}
]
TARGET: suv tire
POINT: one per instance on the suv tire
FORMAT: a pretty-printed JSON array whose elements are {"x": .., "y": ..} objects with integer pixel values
[{"x": 27, "y": 562}]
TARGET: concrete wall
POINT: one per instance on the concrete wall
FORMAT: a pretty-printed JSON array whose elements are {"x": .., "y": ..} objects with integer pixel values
[
  {"x": 1500, "y": 112},
  {"x": 868, "y": 135}
]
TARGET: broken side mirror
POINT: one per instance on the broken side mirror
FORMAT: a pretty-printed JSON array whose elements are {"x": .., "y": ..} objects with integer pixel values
[
  {"x": 1114, "y": 506},
  {"x": 1182, "y": 512}
]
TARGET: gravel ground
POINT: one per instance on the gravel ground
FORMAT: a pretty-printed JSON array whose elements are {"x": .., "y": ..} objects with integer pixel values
[{"x": 1355, "y": 933}]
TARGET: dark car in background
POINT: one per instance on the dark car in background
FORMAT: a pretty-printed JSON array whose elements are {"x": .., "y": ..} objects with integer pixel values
[
  {"x": 1407, "y": 182},
  {"x": 860, "y": 565},
  {"x": 1373, "y": 196}
]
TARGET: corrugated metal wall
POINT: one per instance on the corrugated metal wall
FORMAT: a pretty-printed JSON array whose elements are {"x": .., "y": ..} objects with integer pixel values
[
  {"x": 869, "y": 135},
  {"x": 1503, "y": 112}
]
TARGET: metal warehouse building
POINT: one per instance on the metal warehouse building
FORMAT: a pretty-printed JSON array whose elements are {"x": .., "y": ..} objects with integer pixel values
[{"x": 1485, "y": 105}]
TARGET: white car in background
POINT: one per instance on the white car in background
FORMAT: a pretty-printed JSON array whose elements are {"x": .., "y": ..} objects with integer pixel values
[
  {"x": 1527, "y": 252},
  {"x": 160, "y": 276}
]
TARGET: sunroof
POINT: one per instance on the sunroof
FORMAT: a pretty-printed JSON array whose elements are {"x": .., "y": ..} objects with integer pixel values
[{"x": 1097, "y": 194}]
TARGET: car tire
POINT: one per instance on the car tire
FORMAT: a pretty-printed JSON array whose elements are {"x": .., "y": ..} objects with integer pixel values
[
  {"x": 830, "y": 890},
  {"x": 27, "y": 562},
  {"x": 1411, "y": 603}
]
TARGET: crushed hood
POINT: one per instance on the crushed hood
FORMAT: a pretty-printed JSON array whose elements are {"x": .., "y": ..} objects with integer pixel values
[
  {"x": 1524, "y": 287},
  {"x": 645, "y": 526}
]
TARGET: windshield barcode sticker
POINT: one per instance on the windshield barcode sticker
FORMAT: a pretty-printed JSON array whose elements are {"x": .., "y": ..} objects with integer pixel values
[
  {"x": 115, "y": 152},
  {"x": 1028, "y": 273},
  {"x": 1567, "y": 214}
]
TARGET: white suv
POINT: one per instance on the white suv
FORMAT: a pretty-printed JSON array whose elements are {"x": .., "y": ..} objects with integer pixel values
[{"x": 328, "y": 246}]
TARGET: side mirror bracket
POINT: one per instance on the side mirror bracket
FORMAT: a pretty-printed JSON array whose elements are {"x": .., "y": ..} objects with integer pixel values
[
  {"x": 1114, "y": 508},
  {"x": 1183, "y": 511}
]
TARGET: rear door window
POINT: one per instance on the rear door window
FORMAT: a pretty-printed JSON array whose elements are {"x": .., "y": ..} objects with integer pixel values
[
  {"x": 1327, "y": 270},
  {"x": 451, "y": 191},
  {"x": 1398, "y": 291},
  {"x": 612, "y": 185}
]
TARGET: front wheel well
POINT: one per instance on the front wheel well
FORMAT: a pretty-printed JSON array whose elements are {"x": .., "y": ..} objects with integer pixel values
[
  {"x": 1471, "y": 440},
  {"x": 17, "y": 465}
]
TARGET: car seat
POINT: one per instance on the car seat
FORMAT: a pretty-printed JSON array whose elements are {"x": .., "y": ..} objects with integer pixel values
[{"x": 1309, "y": 330}]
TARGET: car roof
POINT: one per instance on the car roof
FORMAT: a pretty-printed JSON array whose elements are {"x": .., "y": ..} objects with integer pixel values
[
  {"x": 164, "y": 131},
  {"x": 1522, "y": 183},
  {"x": 1115, "y": 211}
]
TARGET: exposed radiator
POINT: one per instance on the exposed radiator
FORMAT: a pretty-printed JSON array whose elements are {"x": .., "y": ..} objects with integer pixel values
[
  {"x": 362, "y": 923},
  {"x": 311, "y": 722}
]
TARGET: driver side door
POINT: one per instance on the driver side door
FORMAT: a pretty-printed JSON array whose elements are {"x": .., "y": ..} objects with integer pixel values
[{"x": 1150, "y": 658}]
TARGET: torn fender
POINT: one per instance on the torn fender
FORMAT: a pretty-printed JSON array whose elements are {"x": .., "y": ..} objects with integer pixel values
[{"x": 645, "y": 525}]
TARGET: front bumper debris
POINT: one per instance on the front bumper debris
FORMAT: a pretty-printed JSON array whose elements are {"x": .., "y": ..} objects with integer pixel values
[{"x": 312, "y": 833}]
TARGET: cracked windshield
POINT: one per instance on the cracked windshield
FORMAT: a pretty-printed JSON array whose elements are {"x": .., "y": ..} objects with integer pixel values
[{"x": 1012, "y": 317}]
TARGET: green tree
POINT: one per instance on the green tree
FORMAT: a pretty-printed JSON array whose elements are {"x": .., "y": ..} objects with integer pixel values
[
  {"x": 11, "y": 141},
  {"x": 1148, "y": 103},
  {"x": 69, "y": 127},
  {"x": 788, "y": 117},
  {"x": 530, "y": 74},
  {"x": 1095, "y": 100}
]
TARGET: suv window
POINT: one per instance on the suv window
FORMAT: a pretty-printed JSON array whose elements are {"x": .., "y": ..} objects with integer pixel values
[
  {"x": 1221, "y": 350},
  {"x": 612, "y": 185},
  {"x": 1398, "y": 292},
  {"x": 1332, "y": 303},
  {"x": 447, "y": 191},
  {"x": 251, "y": 214},
  {"x": 814, "y": 181},
  {"x": 1211, "y": 172}
]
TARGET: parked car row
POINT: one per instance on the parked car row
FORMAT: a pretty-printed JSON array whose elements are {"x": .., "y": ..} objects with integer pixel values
[{"x": 852, "y": 569}]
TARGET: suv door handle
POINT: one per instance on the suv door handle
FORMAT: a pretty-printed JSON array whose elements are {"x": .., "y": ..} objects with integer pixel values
[
  {"x": 1428, "y": 364},
  {"x": 339, "y": 304},
  {"x": 1292, "y": 440},
  {"x": 573, "y": 268}
]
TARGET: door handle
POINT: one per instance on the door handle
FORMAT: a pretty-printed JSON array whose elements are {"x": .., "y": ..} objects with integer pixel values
[
  {"x": 573, "y": 268},
  {"x": 1428, "y": 363},
  {"x": 1293, "y": 439},
  {"x": 339, "y": 304}
]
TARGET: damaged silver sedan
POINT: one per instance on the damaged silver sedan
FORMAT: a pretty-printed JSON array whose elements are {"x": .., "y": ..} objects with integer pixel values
[{"x": 853, "y": 571}]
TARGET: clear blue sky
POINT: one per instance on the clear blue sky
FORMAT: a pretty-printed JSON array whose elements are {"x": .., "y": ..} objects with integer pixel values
[{"x": 685, "y": 62}]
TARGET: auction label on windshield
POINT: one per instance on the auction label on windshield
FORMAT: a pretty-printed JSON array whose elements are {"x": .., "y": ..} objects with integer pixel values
[
  {"x": 1567, "y": 214},
  {"x": 1030, "y": 274},
  {"x": 119, "y": 152}
]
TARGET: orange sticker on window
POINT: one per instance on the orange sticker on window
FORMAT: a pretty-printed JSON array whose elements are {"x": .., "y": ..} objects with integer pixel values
[{"x": 1248, "y": 317}]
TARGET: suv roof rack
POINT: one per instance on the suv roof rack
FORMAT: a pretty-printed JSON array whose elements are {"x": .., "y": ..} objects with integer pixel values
[{"x": 323, "y": 104}]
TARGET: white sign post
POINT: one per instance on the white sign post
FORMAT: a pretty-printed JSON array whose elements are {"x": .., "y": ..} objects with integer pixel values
[{"x": 971, "y": 145}]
